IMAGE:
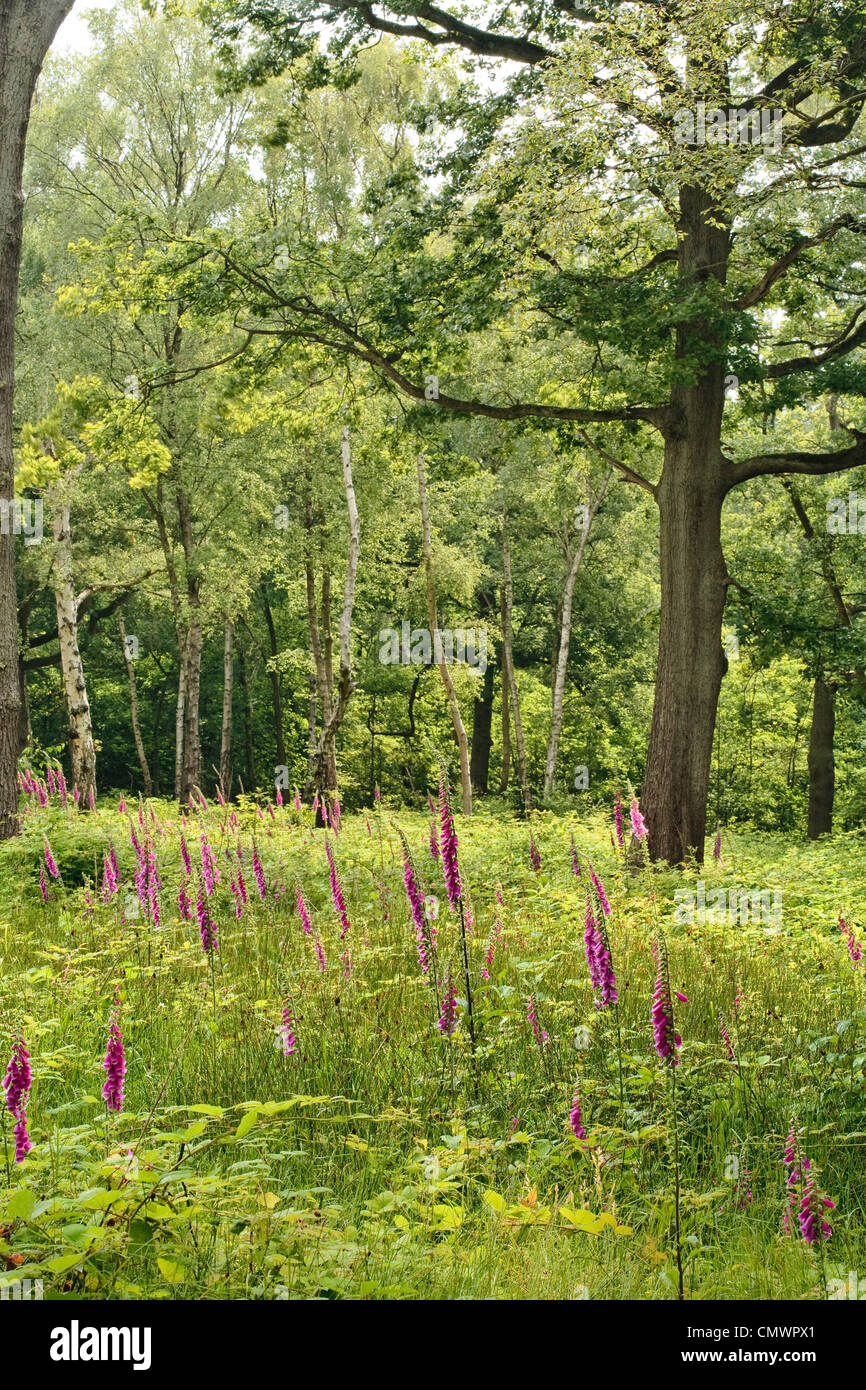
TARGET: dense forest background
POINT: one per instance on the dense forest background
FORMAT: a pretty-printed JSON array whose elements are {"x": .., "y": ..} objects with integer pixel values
[{"x": 197, "y": 460}]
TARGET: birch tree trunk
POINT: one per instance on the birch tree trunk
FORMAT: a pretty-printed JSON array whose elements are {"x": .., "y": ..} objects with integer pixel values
[
  {"x": 81, "y": 749},
  {"x": 226, "y": 774},
  {"x": 27, "y": 29},
  {"x": 133, "y": 710},
  {"x": 506, "y": 605},
  {"x": 432, "y": 618},
  {"x": 565, "y": 636}
]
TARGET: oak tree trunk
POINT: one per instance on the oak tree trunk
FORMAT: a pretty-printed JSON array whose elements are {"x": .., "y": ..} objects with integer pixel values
[
  {"x": 690, "y": 494},
  {"x": 27, "y": 29}
]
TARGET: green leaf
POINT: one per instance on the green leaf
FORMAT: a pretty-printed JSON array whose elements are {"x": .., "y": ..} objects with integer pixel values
[
  {"x": 172, "y": 1271},
  {"x": 20, "y": 1205},
  {"x": 246, "y": 1123}
]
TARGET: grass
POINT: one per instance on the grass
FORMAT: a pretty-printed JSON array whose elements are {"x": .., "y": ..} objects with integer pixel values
[{"x": 380, "y": 1160}]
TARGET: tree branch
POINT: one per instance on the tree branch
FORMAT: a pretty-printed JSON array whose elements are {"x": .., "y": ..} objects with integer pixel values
[{"x": 797, "y": 461}]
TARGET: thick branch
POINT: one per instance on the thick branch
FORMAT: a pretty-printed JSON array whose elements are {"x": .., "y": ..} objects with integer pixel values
[{"x": 797, "y": 461}]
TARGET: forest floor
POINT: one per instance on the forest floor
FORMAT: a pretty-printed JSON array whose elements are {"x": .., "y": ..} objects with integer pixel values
[{"x": 382, "y": 1158}]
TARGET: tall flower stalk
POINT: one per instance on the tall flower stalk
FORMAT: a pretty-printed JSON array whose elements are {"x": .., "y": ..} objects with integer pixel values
[
  {"x": 337, "y": 892},
  {"x": 454, "y": 887},
  {"x": 667, "y": 1041},
  {"x": 424, "y": 939},
  {"x": 16, "y": 1083},
  {"x": 114, "y": 1064}
]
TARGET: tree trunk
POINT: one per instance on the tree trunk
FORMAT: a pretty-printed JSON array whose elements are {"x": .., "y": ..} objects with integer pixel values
[
  {"x": 312, "y": 736},
  {"x": 249, "y": 747},
  {"x": 190, "y": 777},
  {"x": 81, "y": 749},
  {"x": 432, "y": 618},
  {"x": 689, "y": 495},
  {"x": 506, "y": 726},
  {"x": 179, "y": 720},
  {"x": 27, "y": 29},
  {"x": 822, "y": 770},
  {"x": 482, "y": 727},
  {"x": 338, "y": 700},
  {"x": 191, "y": 763},
  {"x": 276, "y": 693},
  {"x": 561, "y": 665},
  {"x": 506, "y": 605},
  {"x": 226, "y": 774},
  {"x": 133, "y": 710}
]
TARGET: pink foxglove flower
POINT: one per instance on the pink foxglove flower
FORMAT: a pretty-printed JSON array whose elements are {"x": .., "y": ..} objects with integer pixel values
[
  {"x": 667, "y": 1040},
  {"x": 617, "y": 817},
  {"x": 575, "y": 1118},
  {"x": 115, "y": 1067},
  {"x": 207, "y": 929},
  {"x": 416, "y": 906},
  {"x": 534, "y": 855},
  {"x": 638, "y": 824},
  {"x": 49, "y": 862},
  {"x": 602, "y": 896},
  {"x": 337, "y": 892},
  {"x": 448, "y": 1015},
  {"x": 303, "y": 910},
  {"x": 575, "y": 862},
  {"x": 259, "y": 873},
  {"x": 598, "y": 959},
  {"x": 448, "y": 848},
  {"x": 16, "y": 1083},
  {"x": 287, "y": 1033},
  {"x": 855, "y": 950}
]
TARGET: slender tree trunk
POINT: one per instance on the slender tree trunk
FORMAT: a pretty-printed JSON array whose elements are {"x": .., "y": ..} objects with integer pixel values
[
  {"x": 179, "y": 712},
  {"x": 453, "y": 703},
  {"x": 561, "y": 664},
  {"x": 506, "y": 725},
  {"x": 27, "y": 29},
  {"x": 312, "y": 735},
  {"x": 191, "y": 774},
  {"x": 689, "y": 495},
  {"x": 192, "y": 653},
  {"x": 226, "y": 774},
  {"x": 506, "y": 605},
  {"x": 24, "y": 730},
  {"x": 822, "y": 768},
  {"x": 133, "y": 710},
  {"x": 249, "y": 747},
  {"x": 338, "y": 699},
  {"x": 81, "y": 749},
  {"x": 482, "y": 730},
  {"x": 276, "y": 693}
]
